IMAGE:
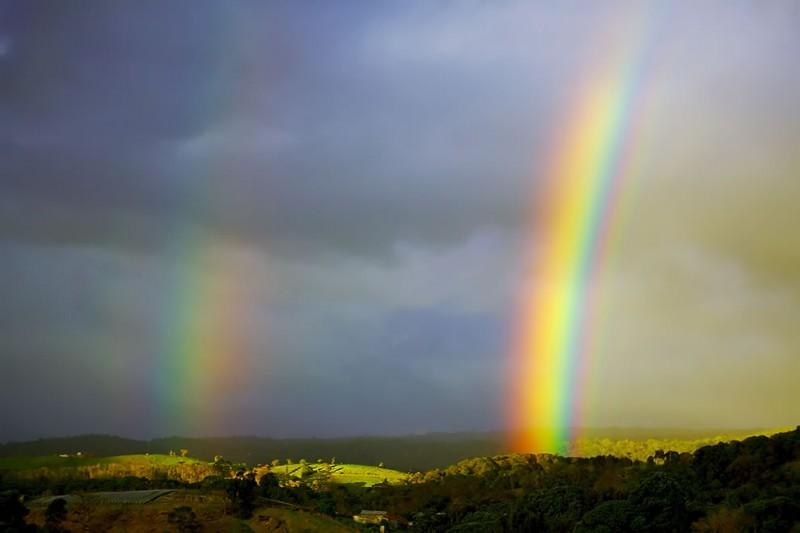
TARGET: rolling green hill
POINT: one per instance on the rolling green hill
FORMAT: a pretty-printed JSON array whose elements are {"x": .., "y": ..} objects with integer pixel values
[
  {"x": 55, "y": 461},
  {"x": 342, "y": 473},
  {"x": 154, "y": 466}
]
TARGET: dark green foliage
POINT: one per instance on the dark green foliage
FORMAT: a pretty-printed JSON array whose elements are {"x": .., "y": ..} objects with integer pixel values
[
  {"x": 613, "y": 516},
  {"x": 13, "y": 513},
  {"x": 429, "y": 522},
  {"x": 269, "y": 487},
  {"x": 552, "y": 509},
  {"x": 324, "y": 503},
  {"x": 55, "y": 514},
  {"x": 223, "y": 467},
  {"x": 241, "y": 492},
  {"x": 775, "y": 514},
  {"x": 269, "y": 481},
  {"x": 660, "y": 504},
  {"x": 753, "y": 485},
  {"x": 184, "y": 519},
  {"x": 491, "y": 519}
]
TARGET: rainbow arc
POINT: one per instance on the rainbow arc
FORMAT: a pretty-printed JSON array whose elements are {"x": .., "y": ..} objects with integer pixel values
[{"x": 576, "y": 215}]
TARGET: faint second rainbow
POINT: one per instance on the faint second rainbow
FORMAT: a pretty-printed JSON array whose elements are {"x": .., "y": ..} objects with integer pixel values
[
  {"x": 205, "y": 339},
  {"x": 574, "y": 220}
]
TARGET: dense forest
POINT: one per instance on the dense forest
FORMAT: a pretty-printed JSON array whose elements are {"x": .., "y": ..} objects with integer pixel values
[{"x": 749, "y": 485}]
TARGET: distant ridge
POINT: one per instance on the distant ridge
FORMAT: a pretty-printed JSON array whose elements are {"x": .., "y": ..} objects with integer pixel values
[
  {"x": 89, "y": 443},
  {"x": 405, "y": 453}
]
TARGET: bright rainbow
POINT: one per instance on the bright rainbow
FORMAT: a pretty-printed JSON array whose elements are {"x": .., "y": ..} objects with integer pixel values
[{"x": 575, "y": 218}]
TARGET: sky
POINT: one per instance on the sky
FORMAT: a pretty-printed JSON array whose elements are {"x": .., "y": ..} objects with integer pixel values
[{"x": 331, "y": 202}]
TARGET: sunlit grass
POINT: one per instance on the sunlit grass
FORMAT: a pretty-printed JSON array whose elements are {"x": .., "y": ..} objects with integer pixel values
[
  {"x": 55, "y": 461},
  {"x": 343, "y": 473}
]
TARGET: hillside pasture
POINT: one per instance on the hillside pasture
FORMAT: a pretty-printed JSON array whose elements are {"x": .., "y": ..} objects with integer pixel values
[
  {"x": 73, "y": 461},
  {"x": 154, "y": 466},
  {"x": 341, "y": 473}
]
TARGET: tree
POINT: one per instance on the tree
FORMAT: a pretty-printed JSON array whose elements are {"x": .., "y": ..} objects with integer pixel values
[
  {"x": 612, "y": 516},
  {"x": 556, "y": 508},
  {"x": 55, "y": 514},
  {"x": 660, "y": 503},
  {"x": 13, "y": 513},
  {"x": 724, "y": 519},
  {"x": 185, "y": 519},
  {"x": 222, "y": 466},
  {"x": 325, "y": 504},
  {"x": 269, "y": 481},
  {"x": 241, "y": 492}
]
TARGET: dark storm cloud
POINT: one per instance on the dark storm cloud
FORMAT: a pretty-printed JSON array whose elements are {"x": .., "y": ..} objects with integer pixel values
[
  {"x": 88, "y": 95},
  {"x": 310, "y": 125},
  {"x": 134, "y": 74},
  {"x": 288, "y": 125},
  {"x": 371, "y": 165}
]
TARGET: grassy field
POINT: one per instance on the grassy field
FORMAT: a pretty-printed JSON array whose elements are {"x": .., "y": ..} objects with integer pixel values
[
  {"x": 114, "y": 467},
  {"x": 54, "y": 461},
  {"x": 344, "y": 473},
  {"x": 369, "y": 475},
  {"x": 337, "y": 473}
]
